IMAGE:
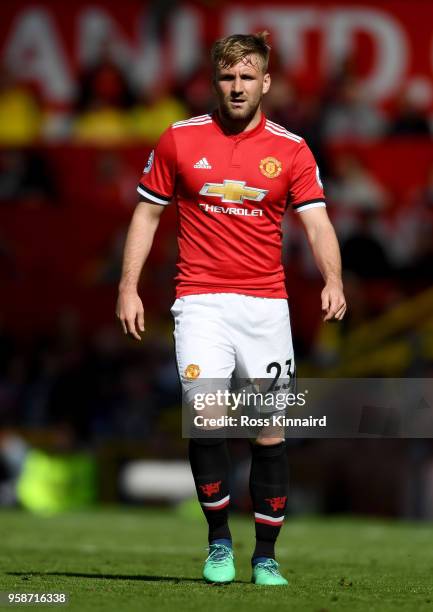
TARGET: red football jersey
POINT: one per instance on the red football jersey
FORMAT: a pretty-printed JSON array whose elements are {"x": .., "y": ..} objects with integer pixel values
[{"x": 231, "y": 192}]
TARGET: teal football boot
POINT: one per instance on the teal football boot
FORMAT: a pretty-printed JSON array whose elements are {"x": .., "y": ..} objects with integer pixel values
[
  {"x": 266, "y": 573},
  {"x": 219, "y": 567}
]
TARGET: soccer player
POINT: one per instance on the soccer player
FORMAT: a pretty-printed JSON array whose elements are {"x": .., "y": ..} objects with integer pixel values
[{"x": 232, "y": 175}]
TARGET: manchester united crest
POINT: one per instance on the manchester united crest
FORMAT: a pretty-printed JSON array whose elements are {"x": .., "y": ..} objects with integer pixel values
[
  {"x": 192, "y": 371},
  {"x": 271, "y": 167}
]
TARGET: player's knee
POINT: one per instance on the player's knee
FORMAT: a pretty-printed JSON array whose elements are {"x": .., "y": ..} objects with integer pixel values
[{"x": 265, "y": 441}]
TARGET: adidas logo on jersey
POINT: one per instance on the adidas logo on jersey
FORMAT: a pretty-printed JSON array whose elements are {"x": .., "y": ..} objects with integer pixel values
[{"x": 203, "y": 164}]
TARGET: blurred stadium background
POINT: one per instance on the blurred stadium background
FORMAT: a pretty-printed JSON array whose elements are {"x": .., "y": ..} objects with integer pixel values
[{"x": 86, "y": 88}]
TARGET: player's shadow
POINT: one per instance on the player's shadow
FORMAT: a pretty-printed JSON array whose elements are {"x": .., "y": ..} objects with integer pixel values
[
  {"x": 140, "y": 577},
  {"x": 143, "y": 577}
]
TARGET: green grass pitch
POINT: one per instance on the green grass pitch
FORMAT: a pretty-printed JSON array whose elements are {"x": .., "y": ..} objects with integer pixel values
[{"x": 131, "y": 559}]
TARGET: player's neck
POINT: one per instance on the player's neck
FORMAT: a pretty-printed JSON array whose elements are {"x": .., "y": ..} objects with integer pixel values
[{"x": 237, "y": 126}]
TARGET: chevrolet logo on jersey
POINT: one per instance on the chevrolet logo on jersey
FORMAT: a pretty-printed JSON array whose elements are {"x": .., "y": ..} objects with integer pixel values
[{"x": 233, "y": 191}]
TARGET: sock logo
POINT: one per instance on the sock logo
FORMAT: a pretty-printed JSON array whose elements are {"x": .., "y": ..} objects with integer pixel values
[
  {"x": 211, "y": 488},
  {"x": 276, "y": 503}
]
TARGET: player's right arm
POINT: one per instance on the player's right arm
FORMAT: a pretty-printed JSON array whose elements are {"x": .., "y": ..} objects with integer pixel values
[
  {"x": 139, "y": 241},
  {"x": 156, "y": 189}
]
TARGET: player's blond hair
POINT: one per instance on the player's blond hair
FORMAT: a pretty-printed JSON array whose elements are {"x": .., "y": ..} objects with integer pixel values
[{"x": 228, "y": 51}]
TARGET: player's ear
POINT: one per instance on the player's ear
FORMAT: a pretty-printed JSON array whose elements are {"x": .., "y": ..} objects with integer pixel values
[{"x": 266, "y": 83}]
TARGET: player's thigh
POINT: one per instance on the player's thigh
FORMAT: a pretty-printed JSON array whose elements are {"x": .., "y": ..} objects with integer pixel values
[
  {"x": 264, "y": 355},
  {"x": 204, "y": 353},
  {"x": 264, "y": 347}
]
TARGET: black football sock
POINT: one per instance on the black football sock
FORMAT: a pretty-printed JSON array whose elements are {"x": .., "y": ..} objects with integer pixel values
[
  {"x": 209, "y": 460},
  {"x": 269, "y": 483}
]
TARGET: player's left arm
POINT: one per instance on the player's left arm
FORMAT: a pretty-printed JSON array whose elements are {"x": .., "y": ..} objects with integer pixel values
[{"x": 324, "y": 245}]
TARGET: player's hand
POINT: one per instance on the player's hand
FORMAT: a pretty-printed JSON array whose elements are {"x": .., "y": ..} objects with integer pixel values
[
  {"x": 333, "y": 302},
  {"x": 130, "y": 312}
]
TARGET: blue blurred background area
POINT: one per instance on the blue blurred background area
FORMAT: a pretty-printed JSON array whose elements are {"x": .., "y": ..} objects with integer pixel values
[{"x": 86, "y": 89}]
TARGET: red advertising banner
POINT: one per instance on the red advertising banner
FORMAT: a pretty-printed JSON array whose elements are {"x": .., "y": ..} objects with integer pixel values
[{"x": 391, "y": 42}]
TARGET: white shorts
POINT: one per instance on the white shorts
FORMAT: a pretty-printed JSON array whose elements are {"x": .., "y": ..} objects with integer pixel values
[{"x": 220, "y": 335}]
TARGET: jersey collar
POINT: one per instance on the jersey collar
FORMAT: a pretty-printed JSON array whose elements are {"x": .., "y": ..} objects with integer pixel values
[{"x": 242, "y": 135}]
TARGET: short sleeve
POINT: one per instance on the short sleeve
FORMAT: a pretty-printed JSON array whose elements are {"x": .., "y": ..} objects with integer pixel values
[
  {"x": 306, "y": 189},
  {"x": 159, "y": 174}
]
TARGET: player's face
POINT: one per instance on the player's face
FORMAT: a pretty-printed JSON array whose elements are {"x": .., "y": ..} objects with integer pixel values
[{"x": 240, "y": 88}]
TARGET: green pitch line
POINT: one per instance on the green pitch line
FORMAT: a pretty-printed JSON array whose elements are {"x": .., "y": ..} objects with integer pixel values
[{"x": 127, "y": 560}]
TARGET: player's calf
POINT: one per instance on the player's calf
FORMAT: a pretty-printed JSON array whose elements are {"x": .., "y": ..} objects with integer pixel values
[{"x": 269, "y": 490}]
